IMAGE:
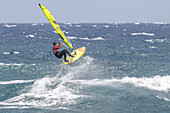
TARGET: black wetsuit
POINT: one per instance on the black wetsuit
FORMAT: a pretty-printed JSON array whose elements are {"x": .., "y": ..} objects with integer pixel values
[{"x": 63, "y": 52}]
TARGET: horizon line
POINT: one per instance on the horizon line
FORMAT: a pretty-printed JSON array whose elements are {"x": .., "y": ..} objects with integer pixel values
[{"x": 86, "y": 22}]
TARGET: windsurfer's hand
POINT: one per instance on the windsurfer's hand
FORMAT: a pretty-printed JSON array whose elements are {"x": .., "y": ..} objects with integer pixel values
[{"x": 63, "y": 44}]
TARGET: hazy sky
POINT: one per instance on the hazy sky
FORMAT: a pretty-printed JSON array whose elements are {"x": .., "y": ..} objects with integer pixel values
[{"x": 26, "y": 11}]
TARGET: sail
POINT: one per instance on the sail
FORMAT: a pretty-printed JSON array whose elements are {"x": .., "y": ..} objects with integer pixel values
[{"x": 55, "y": 25}]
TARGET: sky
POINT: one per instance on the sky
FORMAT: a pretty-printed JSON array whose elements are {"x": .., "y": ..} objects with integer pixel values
[{"x": 86, "y": 11}]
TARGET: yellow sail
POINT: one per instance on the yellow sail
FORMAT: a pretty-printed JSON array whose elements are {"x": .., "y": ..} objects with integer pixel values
[{"x": 55, "y": 25}]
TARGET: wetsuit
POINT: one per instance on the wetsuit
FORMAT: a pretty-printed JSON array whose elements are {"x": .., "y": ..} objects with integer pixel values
[{"x": 59, "y": 54}]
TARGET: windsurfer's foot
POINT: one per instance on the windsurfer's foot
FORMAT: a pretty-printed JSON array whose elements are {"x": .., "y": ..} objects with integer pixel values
[{"x": 66, "y": 60}]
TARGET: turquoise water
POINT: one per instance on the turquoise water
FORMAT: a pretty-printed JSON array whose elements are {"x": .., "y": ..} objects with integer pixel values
[{"x": 126, "y": 68}]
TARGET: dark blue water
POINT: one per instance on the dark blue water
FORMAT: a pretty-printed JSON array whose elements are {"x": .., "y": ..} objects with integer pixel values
[{"x": 126, "y": 69}]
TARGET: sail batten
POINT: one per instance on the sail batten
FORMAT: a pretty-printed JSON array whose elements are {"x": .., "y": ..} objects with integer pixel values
[{"x": 55, "y": 25}]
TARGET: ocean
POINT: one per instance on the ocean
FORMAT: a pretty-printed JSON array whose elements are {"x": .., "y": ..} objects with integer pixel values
[{"x": 126, "y": 68}]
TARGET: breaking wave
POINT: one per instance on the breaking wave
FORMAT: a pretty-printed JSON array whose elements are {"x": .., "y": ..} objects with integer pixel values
[
  {"x": 15, "y": 64},
  {"x": 158, "y": 83},
  {"x": 34, "y": 24},
  {"x": 137, "y": 23},
  {"x": 15, "y": 82},
  {"x": 11, "y": 64},
  {"x": 30, "y": 35},
  {"x": 48, "y": 91},
  {"x": 160, "y": 23},
  {"x": 72, "y": 37},
  {"x": 155, "y": 40},
  {"x": 98, "y": 38},
  {"x": 106, "y": 26},
  {"x": 164, "y": 98},
  {"x": 7, "y": 53},
  {"x": 143, "y": 33},
  {"x": 6, "y": 25}
]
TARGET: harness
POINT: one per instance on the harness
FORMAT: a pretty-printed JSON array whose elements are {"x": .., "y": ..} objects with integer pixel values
[{"x": 55, "y": 51}]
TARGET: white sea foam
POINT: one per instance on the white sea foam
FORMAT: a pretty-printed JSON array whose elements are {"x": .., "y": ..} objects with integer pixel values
[
  {"x": 84, "y": 38},
  {"x": 136, "y": 23},
  {"x": 6, "y": 53},
  {"x": 158, "y": 83},
  {"x": 64, "y": 32},
  {"x": 11, "y": 64},
  {"x": 34, "y": 24},
  {"x": 50, "y": 92},
  {"x": 15, "y": 82},
  {"x": 106, "y": 26},
  {"x": 152, "y": 47},
  {"x": 72, "y": 37},
  {"x": 42, "y": 95},
  {"x": 144, "y": 54},
  {"x": 14, "y": 107},
  {"x": 78, "y": 25},
  {"x": 160, "y": 23},
  {"x": 15, "y": 64},
  {"x": 150, "y": 40},
  {"x": 155, "y": 40},
  {"x": 30, "y": 35},
  {"x": 15, "y": 52},
  {"x": 68, "y": 23},
  {"x": 94, "y": 26},
  {"x": 6, "y": 25},
  {"x": 164, "y": 98},
  {"x": 124, "y": 30},
  {"x": 88, "y": 43},
  {"x": 98, "y": 38},
  {"x": 143, "y": 33}
]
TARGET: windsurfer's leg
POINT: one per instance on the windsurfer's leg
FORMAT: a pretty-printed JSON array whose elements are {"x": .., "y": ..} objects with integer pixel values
[
  {"x": 56, "y": 55},
  {"x": 68, "y": 52},
  {"x": 63, "y": 53},
  {"x": 65, "y": 57}
]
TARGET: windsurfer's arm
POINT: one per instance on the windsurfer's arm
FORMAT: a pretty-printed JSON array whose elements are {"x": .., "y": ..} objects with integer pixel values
[{"x": 60, "y": 45}]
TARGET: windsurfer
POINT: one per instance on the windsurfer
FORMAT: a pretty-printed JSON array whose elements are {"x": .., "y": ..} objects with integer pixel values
[{"x": 59, "y": 54}]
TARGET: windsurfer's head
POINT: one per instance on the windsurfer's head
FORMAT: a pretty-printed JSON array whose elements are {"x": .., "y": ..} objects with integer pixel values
[{"x": 54, "y": 43}]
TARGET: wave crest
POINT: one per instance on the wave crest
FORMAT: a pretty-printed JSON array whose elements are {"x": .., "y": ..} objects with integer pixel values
[{"x": 143, "y": 33}]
